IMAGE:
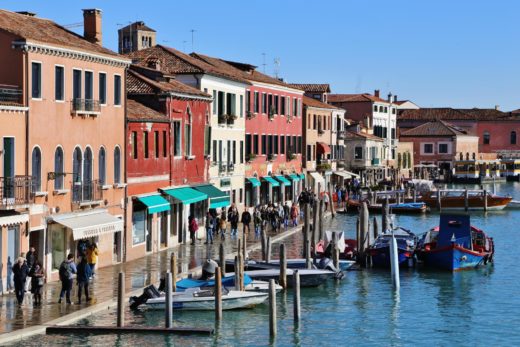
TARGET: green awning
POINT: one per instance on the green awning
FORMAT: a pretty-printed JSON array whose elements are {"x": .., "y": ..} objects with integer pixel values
[
  {"x": 302, "y": 176},
  {"x": 284, "y": 180},
  {"x": 271, "y": 180},
  {"x": 254, "y": 181},
  {"x": 294, "y": 177},
  {"x": 186, "y": 195},
  {"x": 219, "y": 202},
  {"x": 217, "y": 197},
  {"x": 155, "y": 203}
]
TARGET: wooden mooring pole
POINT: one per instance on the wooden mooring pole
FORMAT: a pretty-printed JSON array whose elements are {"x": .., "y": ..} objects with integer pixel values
[
  {"x": 169, "y": 302},
  {"x": 218, "y": 294},
  {"x": 466, "y": 200},
  {"x": 268, "y": 250},
  {"x": 237, "y": 273},
  {"x": 315, "y": 221},
  {"x": 173, "y": 270},
  {"x": 283, "y": 267},
  {"x": 222, "y": 260},
  {"x": 320, "y": 223},
  {"x": 485, "y": 200},
  {"x": 296, "y": 288},
  {"x": 272, "y": 308},
  {"x": 121, "y": 300},
  {"x": 306, "y": 226},
  {"x": 264, "y": 244},
  {"x": 332, "y": 210}
]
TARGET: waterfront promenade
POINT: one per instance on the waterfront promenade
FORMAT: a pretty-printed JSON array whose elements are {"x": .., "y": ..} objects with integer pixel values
[{"x": 16, "y": 322}]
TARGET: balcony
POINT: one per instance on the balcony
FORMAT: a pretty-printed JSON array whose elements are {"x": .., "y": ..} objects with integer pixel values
[
  {"x": 10, "y": 95},
  {"x": 225, "y": 168},
  {"x": 15, "y": 192},
  {"x": 290, "y": 156},
  {"x": 272, "y": 157},
  {"x": 86, "y": 107},
  {"x": 87, "y": 193},
  {"x": 231, "y": 119},
  {"x": 250, "y": 115}
]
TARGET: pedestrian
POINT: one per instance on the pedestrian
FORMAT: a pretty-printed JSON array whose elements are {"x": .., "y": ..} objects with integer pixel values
[
  {"x": 326, "y": 200},
  {"x": 339, "y": 197},
  {"x": 31, "y": 260},
  {"x": 66, "y": 272},
  {"x": 286, "y": 215},
  {"x": 294, "y": 214},
  {"x": 20, "y": 273},
  {"x": 92, "y": 258},
  {"x": 83, "y": 245},
  {"x": 233, "y": 221},
  {"x": 84, "y": 274},
  {"x": 209, "y": 228},
  {"x": 257, "y": 222},
  {"x": 38, "y": 280},
  {"x": 192, "y": 227},
  {"x": 246, "y": 220},
  {"x": 222, "y": 225}
]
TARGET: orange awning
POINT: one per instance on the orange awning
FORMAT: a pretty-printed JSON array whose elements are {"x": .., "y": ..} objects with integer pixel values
[{"x": 323, "y": 148}]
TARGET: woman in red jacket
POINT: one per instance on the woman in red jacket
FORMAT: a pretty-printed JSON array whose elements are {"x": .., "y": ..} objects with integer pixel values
[{"x": 192, "y": 227}]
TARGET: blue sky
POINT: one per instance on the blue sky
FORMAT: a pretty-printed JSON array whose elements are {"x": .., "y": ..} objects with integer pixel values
[{"x": 437, "y": 53}]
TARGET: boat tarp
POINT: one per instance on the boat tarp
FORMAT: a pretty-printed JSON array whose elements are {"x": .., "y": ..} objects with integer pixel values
[
  {"x": 228, "y": 281},
  {"x": 456, "y": 229}
]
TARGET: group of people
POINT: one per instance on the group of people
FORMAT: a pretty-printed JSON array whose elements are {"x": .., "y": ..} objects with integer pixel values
[{"x": 28, "y": 275}]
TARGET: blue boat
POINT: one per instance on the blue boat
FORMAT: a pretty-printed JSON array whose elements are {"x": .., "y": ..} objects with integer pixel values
[
  {"x": 456, "y": 245},
  {"x": 228, "y": 281},
  {"x": 380, "y": 250}
]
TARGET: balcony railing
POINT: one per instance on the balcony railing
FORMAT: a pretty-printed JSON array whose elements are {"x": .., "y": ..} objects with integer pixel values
[
  {"x": 15, "y": 191},
  {"x": 225, "y": 168},
  {"x": 86, "y": 107},
  {"x": 10, "y": 94},
  {"x": 85, "y": 192}
]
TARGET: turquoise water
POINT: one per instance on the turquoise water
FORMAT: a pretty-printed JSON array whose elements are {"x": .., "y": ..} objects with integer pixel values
[{"x": 479, "y": 307}]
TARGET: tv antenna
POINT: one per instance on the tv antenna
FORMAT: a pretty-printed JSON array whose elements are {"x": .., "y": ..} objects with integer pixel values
[
  {"x": 192, "y": 40},
  {"x": 263, "y": 62},
  {"x": 276, "y": 62}
]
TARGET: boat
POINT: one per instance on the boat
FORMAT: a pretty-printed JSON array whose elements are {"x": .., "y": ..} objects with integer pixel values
[
  {"x": 308, "y": 277},
  {"x": 514, "y": 204},
  {"x": 347, "y": 248},
  {"x": 396, "y": 208},
  {"x": 198, "y": 299},
  {"x": 379, "y": 251},
  {"x": 454, "y": 199},
  {"x": 296, "y": 263},
  {"x": 455, "y": 245},
  {"x": 227, "y": 282}
]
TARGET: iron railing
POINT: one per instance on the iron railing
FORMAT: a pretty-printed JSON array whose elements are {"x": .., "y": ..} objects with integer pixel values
[
  {"x": 86, "y": 191},
  {"x": 86, "y": 106},
  {"x": 10, "y": 94},
  {"x": 15, "y": 191}
]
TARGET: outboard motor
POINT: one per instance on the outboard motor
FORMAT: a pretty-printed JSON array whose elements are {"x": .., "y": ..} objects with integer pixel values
[
  {"x": 148, "y": 293},
  {"x": 328, "y": 264},
  {"x": 208, "y": 269}
]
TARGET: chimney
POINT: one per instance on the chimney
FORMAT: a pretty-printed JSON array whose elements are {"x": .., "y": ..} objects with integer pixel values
[
  {"x": 395, "y": 98},
  {"x": 376, "y": 93},
  {"x": 390, "y": 97},
  {"x": 92, "y": 25}
]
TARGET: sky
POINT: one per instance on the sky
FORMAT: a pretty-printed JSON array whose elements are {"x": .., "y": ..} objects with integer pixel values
[{"x": 442, "y": 53}]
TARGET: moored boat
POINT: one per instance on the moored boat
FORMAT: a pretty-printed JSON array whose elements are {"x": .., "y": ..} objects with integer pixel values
[
  {"x": 227, "y": 282},
  {"x": 379, "y": 251},
  {"x": 308, "y": 277},
  {"x": 455, "y": 245},
  {"x": 401, "y": 208},
  {"x": 455, "y": 199}
]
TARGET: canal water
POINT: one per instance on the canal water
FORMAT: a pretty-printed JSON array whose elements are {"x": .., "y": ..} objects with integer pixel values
[{"x": 480, "y": 307}]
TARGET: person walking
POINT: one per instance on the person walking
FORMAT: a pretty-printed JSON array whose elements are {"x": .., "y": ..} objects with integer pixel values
[
  {"x": 246, "y": 220},
  {"x": 209, "y": 228},
  {"x": 192, "y": 227},
  {"x": 38, "y": 280},
  {"x": 233, "y": 221},
  {"x": 84, "y": 274},
  {"x": 222, "y": 224},
  {"x": 294, "y": 214},
  {"x": 92, "y": 258},
  {"x": 20, "y": 273},
  {"x": 66, "y": 272},
  {"x": 286, "y": 215},
  {"x": 326, "y": 200},
  {"x": 257, "y": 215},
  {"x": 30, "y": 258}
]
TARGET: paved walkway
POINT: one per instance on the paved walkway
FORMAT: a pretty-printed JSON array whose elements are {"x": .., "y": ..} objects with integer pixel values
[{"x": 138, "y": 274}]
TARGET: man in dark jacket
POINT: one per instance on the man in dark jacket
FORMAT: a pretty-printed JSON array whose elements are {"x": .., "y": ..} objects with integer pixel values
[
  {"x": 20, "y": 272},
  {"x": 31, "y": 261},
  {"x": 66, "y": 272},
  {"x": 246, "y": 220},
  {"x": 84, "y": 273}
]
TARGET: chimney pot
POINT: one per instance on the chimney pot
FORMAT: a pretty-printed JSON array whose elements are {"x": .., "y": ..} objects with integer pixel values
[
  {"x": 376, "y": 93},
  {"x": 92, "y": 30},
  {"x": 497, "y": 107},
  {"x": 389, "y": 97}
]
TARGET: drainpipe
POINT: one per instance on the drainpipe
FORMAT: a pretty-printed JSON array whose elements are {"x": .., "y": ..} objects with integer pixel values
[{"x": 123, "y": 158}]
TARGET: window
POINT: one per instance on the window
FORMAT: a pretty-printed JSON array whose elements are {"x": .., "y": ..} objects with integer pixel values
[
  {"x": 234, "y": 152},
  {"x": 117, "y": 90},
  {"x": 241, "y": 152},
  {"x": 117, "y": 165},
  {"x": 248, "y": 101},
  {"x": 76, "y": 172},
  {"x": 299, "y": 149},
  {"x": 256, "y": 103},
  {"x": 288, "y": 106},
  {"x": 133, "y": 143},
  {"x": 230, "y": 103},
  {"x": 220, "y": 105},
  {"x": 214, "y": 102},
  {"x": 58, "y": 167},
  {"x": 288, "y": 145},
  {"x": 276, "y": 105},
  {"x": 282, "y": 111},
  {"x": 76, "y": 84},
  {"x": 392, "y": 133},
  {"x": 309, "y": 152},
  {"x": 145, "y": 144},
  {"x": 102, "y": 171},
  {"x": 207, "y": 140},
  {"x": 513, "y": 137},
  {"x": 264, "y": 103},
  {"x": 102, "y": 88},
  {"x": 380, "y": 108},
  {"x": 156, "y": 143},
  {"x": 269, "y": 144},
  {"x": 187, "y": 134},
  {"x": 59, "y": 83},
  {"x": 282, "y": 144},
  {"x": 241, "y": 106},
  {"x": 270, "y": 106},
  {"x": 228, "y": 157},
  {"x": 264, "y": 144},
  {"x": 138, "y": 227},
  {"x": 393, "y": 110},
  {"x": 386, "y": 109},
  {"x": 177, "y": 139},
  {"x": 275, "y": 147},
  {"x": 443, "y": 148},
  {"x": 214, "y": 151},
  {"x": 487, "y": 138},
  {"x": 255, "y": 144},
  {"x": 358, "y": 152},
  {"x": 165, "y": 144},
  {"x": 299, "y": 107},
  {"x": 428, "y": 148},
  {"x": 295, "y": 107},
  {"x": 220, "y": 151},
  {"x": 375, "y": 108},
  {"x": 36, "y": 169},
  {"x": 36, "y": 80},
  {"x": 89, "y": 87}
]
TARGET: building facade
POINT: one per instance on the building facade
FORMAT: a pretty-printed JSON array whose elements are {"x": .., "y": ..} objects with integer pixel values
[{"x": 363, "y": 153}]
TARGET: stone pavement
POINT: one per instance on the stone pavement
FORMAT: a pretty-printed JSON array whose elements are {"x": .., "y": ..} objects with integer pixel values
[{"x": 103, "y": 288}]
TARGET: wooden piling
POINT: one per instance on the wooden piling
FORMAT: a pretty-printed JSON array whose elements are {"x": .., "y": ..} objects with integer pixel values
[
  {"x": 439, "y": 200},
  {"x": 308, "y": 259},
  {"x": 169, "y": 301},
  {"x": 414, "y": 195},
  {"x": 222, "y": 260},
  {"x": 296, "y": 289},
  {"x": 272, "y": 308},
  {"x": 466, "y": 200},
  {"x": 283, "y": 267},
  {"x": 121, "y": 300},
  {"x": 218, "y": 294},
  {"x": 376, "y": 228},
  {"x": 332, "y": 210},
  {"x": 384, "y": 216},
  {"x": 268, "y": 250},
  {"x": 173, "y": 270},
  {"x": 335, "y": 250},
  {"x": 394, "y": 262},
  {"x": 485, "y": 200},
  {"x": 237, "y": 273},
  {"x": 306, "y": 226},
  {"x": 358, "y": 233},
  {"x": 364, "y": 226},
  {"x": 315, "y": 221},
  {"x": 264, "y": 244},
  {"x": 320, "y": 223},
  {"x": 244, "y": 248}
]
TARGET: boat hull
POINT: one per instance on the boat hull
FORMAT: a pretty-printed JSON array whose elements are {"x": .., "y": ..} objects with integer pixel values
[
  {"x": 308, "y": 278},
  {"x": 381, "y": 257},
  {"x": 231, "y": 301},
  {"x": 474, "y": 203},
  {"x": 353, "y": 206},
  {"x": 454, "y": 258}
]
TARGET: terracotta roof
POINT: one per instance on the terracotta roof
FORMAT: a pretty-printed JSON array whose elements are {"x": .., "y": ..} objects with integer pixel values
[
  {"x": 40, "y": 30},
  {"x": 139, "y": 25},
  {"x": 175, "y": 62},
  {"x": 352, "y": 134},
  {"x": 139, "y": 112},
  {"x": 310, "y": 102},
  {"x": 312, "y": 87},
  {"x": 516, "y": 111},
  {"x": 435, "y": 128},
  {"x": 448, "y": 114},
  {"x": 138, "y": 83},
  {"x": 354, "y": 98}
]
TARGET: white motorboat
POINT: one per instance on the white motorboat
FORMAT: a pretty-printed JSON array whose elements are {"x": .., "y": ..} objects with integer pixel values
[
  {"x": 296, "y": 263},
  {"x": 513, "y": 204},
  {"x": 308, "y": 278}
]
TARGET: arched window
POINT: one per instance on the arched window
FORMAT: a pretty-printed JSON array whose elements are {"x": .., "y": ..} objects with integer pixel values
[
  {"x": 467, "y": 155},
  {"x": 487, "y": 138},
  {"x": 117, "y": 165},
  {"x": 87, "y": 175},
  {"x": 77, "y": 160},
  {"x": 58, "y": 167},
  {"x": 36, "y": 169},
  {"x": 513, "y": 137},
  {"x": 102, "y": 170},
  {"x": 461, "y": 155}
]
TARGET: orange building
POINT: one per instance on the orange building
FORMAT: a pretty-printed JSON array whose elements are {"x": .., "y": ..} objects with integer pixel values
[{"x": 68, "y": 158}]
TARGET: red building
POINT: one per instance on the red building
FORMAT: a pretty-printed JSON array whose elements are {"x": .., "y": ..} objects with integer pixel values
[{"x": 166, "y": 159}]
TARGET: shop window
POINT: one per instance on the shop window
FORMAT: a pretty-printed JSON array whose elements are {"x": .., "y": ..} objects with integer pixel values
[{"x": 138, "y": 227}]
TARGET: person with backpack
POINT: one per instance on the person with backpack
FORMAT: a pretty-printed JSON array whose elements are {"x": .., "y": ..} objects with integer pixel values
[
  {"x": 84, "y": 274},
  {"x": 67, "y": 271}
]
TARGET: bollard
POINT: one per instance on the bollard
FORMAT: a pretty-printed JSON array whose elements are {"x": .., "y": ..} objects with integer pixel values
[
  {"x": 268, "y": 250},
  {"x": 173, "y": 270},
  {"x": 394, "y": 262},
  {"x": 169, "y": 301},
  {"x": 237, "y": 275},
  {"x": 218, "y": 294},
  {"x": 283, "y": 267},
  {"x": 222, "y": 260},
  {"x": 272, "y": 308},
  {"x": 121, "y": 300},
  {"x": 296, "y": 288},
  {"x": 485, "y": 200}
]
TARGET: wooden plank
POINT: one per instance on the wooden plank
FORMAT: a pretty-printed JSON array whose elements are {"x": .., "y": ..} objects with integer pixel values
[{"x": 126, "y": 330}]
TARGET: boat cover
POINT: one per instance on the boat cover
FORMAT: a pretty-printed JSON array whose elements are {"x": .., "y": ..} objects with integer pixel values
[
  {"x": 454, "y": 228},
  {"x": 228, "y": 281}
]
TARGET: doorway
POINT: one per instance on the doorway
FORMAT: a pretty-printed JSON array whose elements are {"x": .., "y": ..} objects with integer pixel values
[
  {"x": 116, "y": 252},
  {"x": 36, "y": 240}
]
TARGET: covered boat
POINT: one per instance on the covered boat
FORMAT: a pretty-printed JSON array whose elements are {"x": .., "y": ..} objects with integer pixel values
[
  {"x": 455, "y": 245},
  {"x": 379, "y": 251},
  {"x": 455, "y": 199}
]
